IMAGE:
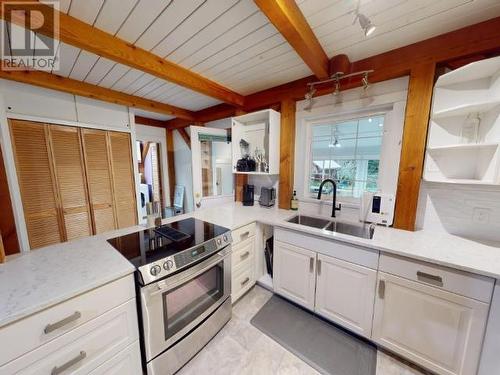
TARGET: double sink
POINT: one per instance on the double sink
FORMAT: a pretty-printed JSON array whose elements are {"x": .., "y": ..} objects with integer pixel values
[{"x": 351, "y": 229}]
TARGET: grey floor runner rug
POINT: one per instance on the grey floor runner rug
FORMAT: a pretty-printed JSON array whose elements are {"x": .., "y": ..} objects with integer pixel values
[{"x": 328, "y": 349}]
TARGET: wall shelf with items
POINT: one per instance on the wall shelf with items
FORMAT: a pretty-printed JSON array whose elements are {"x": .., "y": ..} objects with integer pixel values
[
  {"x": 256, "y": 143},
  {"x": 464, "y": 130}
]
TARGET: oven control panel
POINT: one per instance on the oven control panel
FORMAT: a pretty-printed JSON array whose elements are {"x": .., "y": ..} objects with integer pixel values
[{"x": 161, "y": 268}]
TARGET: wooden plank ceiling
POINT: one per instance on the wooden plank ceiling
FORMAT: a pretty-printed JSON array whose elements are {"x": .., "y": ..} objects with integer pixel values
[{"x": 233, "y": 43}]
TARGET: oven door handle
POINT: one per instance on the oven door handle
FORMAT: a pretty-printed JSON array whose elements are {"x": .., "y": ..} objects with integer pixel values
[{"x": 166, "y": 285}]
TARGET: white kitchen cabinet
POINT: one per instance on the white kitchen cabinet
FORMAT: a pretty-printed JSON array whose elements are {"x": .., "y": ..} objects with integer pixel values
[
  {"x": 243, "y": 260},
  {"x": 260, "y": 131},
  {"x": 345, "y": 293},
  {"x": 295, "y": 273},
  {"x": 440, "y": 330}
]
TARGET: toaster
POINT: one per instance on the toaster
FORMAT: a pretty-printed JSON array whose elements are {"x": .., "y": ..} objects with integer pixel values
[{"x": 267, "y": 197}]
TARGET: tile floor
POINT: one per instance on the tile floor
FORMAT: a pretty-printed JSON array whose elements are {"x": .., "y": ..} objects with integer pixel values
[{"x": 240, "y": 348}]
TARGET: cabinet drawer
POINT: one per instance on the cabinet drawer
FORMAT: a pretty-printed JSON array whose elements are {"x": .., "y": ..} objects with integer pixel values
[
  {"x": 38, "y": 329},
  {"x": 243, "y": 233},
  {"x": 127, "y": 362},
  {"x": 84, "y": 348},
  {"x": 463, "y": 283},
  {"x": 243, "y": 252},
  {"x": 337, "y": 249},
  {"x": 242, "y": 281}
]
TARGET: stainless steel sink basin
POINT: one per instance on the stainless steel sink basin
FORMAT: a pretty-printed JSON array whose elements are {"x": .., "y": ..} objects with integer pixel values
[
  {"x": 309, "y": 221},
  {"x": 356, "y": 230},
  {"x": 351, "y": 229}
]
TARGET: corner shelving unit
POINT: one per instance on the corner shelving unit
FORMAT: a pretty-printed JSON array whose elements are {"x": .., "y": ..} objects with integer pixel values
[
  {"x": 464, "y": 129},
  {"x": 260, "y": 130}
]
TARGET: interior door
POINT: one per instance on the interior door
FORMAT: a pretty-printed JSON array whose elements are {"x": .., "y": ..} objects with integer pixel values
[
  {"x": 70, "y": 176},
  {"x": 295, "y": 273},
  {"x": 211, "y": 167}
]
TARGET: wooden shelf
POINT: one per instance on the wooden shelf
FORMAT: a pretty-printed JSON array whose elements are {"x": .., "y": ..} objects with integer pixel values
[{"x": 466, "y": 109}]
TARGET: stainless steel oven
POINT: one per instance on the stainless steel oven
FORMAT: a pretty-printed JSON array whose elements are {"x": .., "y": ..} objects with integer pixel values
[{"x": 173, "y": 307}]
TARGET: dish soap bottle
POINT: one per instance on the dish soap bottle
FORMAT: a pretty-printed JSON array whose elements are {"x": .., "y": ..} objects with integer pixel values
[{"x": 294, "y": 202}]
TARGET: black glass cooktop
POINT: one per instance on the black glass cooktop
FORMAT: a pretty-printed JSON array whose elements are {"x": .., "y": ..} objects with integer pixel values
[{"x": 151, "y": 245}]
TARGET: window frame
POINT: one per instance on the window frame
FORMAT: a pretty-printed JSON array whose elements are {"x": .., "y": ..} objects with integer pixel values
[{"x": 335, "y": 119}]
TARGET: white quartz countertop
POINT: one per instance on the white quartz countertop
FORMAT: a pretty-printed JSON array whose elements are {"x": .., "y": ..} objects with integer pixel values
[
  {"x": 435, "y": 247},
  {"x": 42, "y": 278}
]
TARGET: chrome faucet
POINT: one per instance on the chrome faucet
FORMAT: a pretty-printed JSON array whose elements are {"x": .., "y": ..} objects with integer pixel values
[{"x": 334, "y": 208}]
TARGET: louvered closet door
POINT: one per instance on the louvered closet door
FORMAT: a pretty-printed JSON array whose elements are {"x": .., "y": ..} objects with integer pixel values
[
  {"x": 36, "y": 182},
  {"x": 123, "y": 180},
  {"x": 70, "y": 178},
  {"x": 98, "y": 170}
]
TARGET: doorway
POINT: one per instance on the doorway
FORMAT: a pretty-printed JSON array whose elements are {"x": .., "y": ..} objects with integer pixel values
[
  {"x": 213, "y": 181},
  {"x": 150, "y": 172}
]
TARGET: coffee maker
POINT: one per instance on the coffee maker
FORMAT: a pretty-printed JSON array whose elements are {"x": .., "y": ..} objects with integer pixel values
[{"x": 248, "y": 195}]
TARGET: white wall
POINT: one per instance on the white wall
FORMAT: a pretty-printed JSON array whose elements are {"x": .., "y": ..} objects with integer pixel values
[
  {"x": 468, "y": 211},
  {"x": 388, "y": 96}
]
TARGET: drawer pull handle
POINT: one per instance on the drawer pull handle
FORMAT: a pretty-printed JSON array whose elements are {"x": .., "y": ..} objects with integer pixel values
[
  {"x": 52, "y": 327},
  {"x": 60, "y": 369},
  {"x": 430, "y": 279},
  {"x": 246, "y": 234},
  {"x": 318, "y": 266},
  {"x": 311, "y": 265},
  {"x": 244, "y": 256},
  {"x": 245, "y": 281},
  {"x": 381, "y": 289}
]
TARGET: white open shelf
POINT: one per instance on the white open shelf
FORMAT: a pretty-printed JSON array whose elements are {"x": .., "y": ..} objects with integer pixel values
[
  {"x": 463, "y": 146},
  {"x": 261, "y": 131},
  {"x": 464, "y": 130},
  {"x": 466, "y": 109}
]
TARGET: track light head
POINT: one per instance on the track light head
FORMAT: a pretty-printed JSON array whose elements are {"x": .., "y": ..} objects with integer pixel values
[
  {"x": 366, "y": 24},
  {"x": 309, "y": 97},
  {"x": 364, "y": 81}
]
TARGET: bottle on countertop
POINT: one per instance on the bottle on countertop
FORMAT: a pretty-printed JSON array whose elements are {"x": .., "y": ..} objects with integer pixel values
[{"x": 294, "y": 202}]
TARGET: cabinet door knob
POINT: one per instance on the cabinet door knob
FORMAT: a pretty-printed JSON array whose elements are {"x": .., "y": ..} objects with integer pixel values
[
  {"x": 318, "y": 266},
  {"x": 381, "y": 289},
  {"x": 311, "y": 265}
]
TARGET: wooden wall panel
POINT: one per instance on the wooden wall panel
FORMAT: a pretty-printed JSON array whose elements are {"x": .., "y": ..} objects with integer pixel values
[
  {"x": 97, "y": 166},
  {"x": 413, "y": 148},
  {"x": 36, "y": 182},
  {"x": 123, "y": 179},
  {"x": 7, "y": 223},
  {"x": 70, "y": 177},
  {"x": 287, "y": 152}
]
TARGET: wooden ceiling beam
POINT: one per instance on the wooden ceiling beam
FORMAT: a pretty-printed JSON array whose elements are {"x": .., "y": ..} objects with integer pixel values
[
  {"x": 79, "y": 34},
  {"x": 71, "y": 86},
  {"x": 476, "y": 39},
  {"x": 150, "y": 121},
  {"x": 291, "y": 23}
]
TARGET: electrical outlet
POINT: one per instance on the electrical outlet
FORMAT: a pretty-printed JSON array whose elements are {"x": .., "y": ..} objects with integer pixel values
[{"x": 481, "y": 215}]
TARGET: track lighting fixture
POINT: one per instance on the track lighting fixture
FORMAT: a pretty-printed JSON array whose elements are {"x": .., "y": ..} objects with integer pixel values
[
  {"x": 365, "y": 23},
  {"x": 336, "y": 78}
]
